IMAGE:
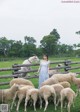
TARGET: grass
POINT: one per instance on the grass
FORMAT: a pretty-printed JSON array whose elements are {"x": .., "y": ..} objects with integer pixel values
[{"x": 35, "y": 82}]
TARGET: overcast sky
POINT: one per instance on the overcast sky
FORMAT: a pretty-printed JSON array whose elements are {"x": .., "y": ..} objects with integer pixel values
[{"x": 37, "y": 18}]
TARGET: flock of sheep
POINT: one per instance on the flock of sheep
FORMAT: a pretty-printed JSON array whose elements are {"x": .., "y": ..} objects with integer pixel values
[{"x": 58, "y": 87}]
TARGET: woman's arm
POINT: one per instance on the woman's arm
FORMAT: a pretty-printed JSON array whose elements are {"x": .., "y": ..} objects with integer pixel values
[{"x": 48, "y": 66}]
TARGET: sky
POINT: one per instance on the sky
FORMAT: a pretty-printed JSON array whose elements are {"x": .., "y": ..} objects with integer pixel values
[{"x": 37, "y": 18}]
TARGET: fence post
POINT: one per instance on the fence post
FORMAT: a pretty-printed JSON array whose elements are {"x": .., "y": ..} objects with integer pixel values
[
  {"x": 67, "y": 65},
  {"x": 16, "y": 70}
]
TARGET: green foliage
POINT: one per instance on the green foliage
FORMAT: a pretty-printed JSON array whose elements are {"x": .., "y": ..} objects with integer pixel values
[
  {"x": 49, "y": 44},
  {"x": 66, "y": 50},
  {"x": 78, "y": 32},
  {"x": 54, "y": 32},
  {"x": 29, "y": 40}
]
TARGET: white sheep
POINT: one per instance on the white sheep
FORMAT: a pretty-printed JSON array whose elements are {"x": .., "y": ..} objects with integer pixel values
[
  {"x": 21, "y": 81},
  {"x": 8, "y": 94},
  {"x": 76, "y": 81},
  {"x": 50, "y": 81},
  {"x": 21, "y": 94},
  {"x": 70, "y": 95},
  {"x": 57, "y": 88},
  {"x": 28, "y": 62},
  {"x": 64, "y": 77},
  {"x": 65, "y": 84},
  {"x": 56, "y": 71},
  {"x": 45, "y": 92},
  {"x": 32, "y": 94},
  {"x": 52, "y": 72}
]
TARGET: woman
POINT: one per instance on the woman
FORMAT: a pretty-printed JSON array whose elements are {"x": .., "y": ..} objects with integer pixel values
[{"x": 43, "y": 70}]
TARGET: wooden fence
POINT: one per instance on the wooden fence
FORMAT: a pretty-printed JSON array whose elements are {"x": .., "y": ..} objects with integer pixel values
[{"x": 67, "y": 66}]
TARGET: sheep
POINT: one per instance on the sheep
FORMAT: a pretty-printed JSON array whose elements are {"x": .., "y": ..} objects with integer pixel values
[
  {"x": 65, "y": 84},
  {"x": 50, "y": 81},
  {"x": 33, "y": 94},
  {"x": 70, "y": 95},
  {"x": 57, "y": 88},
  {"x": 21, "y": 93},
  {"x": 76, "y": 81},
  {"x": 64, "y": 77},
  {"x": 52, "y": 72},
  {"x": 45, "y": 92},
  {"x": 8, "y": 94},
  {"x": 28, "y": 62},
  {"x": 21, "y": 81}
]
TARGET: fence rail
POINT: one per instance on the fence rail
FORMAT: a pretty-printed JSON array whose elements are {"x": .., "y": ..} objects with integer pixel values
[{"x": 67, "y": 66}]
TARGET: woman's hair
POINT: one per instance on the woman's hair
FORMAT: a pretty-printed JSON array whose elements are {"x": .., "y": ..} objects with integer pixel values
[{"x": 46, "y": 56}]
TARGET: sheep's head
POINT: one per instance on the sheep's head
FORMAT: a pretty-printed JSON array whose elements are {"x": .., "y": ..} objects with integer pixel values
[
  {"x": 15, "y": 87},
  {"x": 36, "y": 59},
  {"x": 72, "y": 77}
]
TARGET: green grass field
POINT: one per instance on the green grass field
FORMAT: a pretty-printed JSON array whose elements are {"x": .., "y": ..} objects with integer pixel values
[{"x": 35, "y": 82}]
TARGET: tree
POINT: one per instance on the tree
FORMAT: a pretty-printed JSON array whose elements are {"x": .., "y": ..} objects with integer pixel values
[
  {"x": 54, "y": 32},
  {"x": 65, "y": 50},
  {"x": 29, "y": 46},
  {"x": 16, "y": 49},
  {"x": 49, "y": 42},
  {"x": 4, "y": 46},
  {"x": 78, "y": 32},
  {"x": 29, "y": 40}
]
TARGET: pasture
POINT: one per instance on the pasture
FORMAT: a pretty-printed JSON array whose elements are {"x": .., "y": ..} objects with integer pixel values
[{"x": 35, "y": 82}]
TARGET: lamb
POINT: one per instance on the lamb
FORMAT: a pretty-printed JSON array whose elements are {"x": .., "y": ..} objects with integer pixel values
[
  {"x": 50, "y": 81},
  {"x": 45, "y": 92},
  {"x": 70, "y": 95},
  {"x": 33, "y": 94},
  {"x": 65, "y": 84},
  {"x": 21, "y": 93},
  {"x": 8, "y": 94},
  {"x": 76, "y": 81},
  {"x": 52, "y": 72},
  {"x": 64, "y": 77},
  {"x": 21, "y": 81},
  {"x": 57, "y": 88}
]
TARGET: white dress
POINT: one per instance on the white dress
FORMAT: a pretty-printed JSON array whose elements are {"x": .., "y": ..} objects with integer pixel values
[{"x": 43, "y": 75}]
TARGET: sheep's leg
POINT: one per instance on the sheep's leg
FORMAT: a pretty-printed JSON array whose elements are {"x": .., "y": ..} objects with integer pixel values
[
  {"x": 26, "y": 102},
  {"x": 58, "y": 102},
  {"x": 40, "y": 102},
  {"x": 46, "y": 103},
  {"x": 73, "y": 102},
  {"x": 34, "y": 98},
  {"x": 61, "y": 104},
  {"x": 65, "y": 105},
  {"x": 54, "y": 95},
  {"x": 20, "y": 99},
  {"x": 55, "y": 100},
  {"x": 34, "y": 105},
  {"x": 13, "y": 100},
  {"x": 69, "y": 105}
]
